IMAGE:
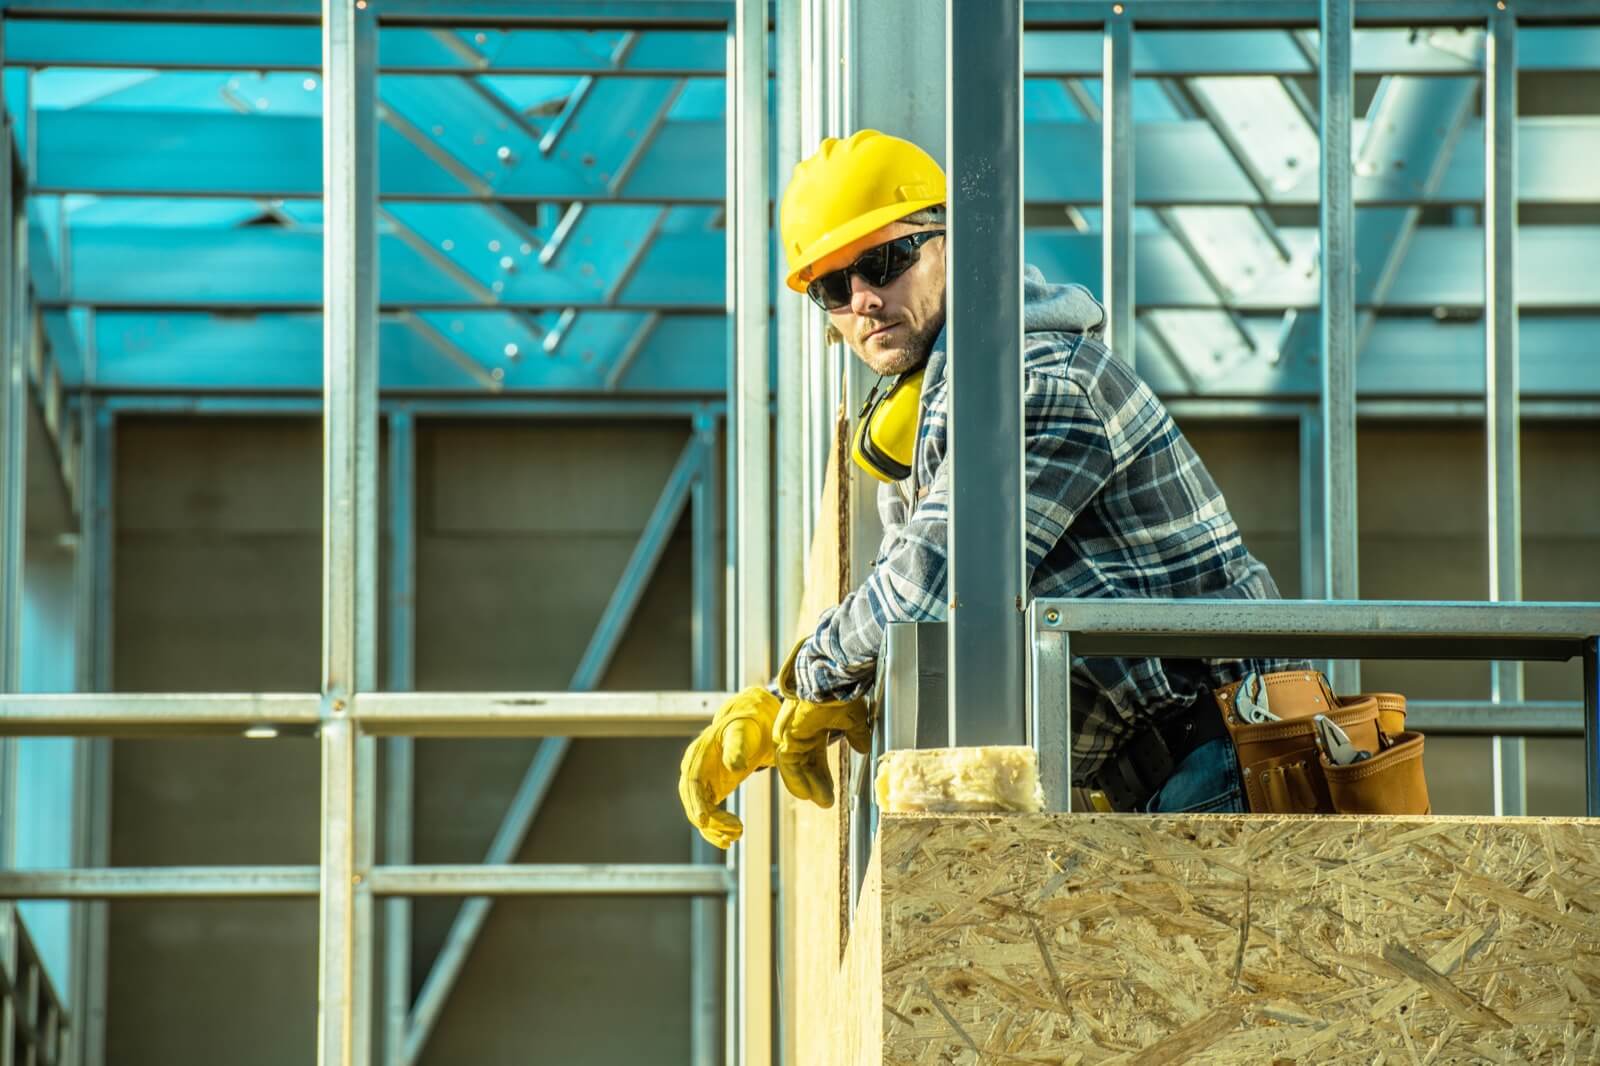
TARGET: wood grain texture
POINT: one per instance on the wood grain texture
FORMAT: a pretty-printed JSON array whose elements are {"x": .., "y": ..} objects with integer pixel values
[
  {"x": 831, "y": 997},
  {"x": 1227, "y": 939}
]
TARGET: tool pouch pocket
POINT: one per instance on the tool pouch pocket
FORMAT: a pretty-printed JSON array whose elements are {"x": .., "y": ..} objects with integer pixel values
[
  {"x": 1280, "y": 769},
  {"x": 1391, "y": 782}
]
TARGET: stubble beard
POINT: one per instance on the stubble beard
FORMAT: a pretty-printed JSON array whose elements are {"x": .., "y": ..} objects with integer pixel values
[{"x": 888, "y": 362}]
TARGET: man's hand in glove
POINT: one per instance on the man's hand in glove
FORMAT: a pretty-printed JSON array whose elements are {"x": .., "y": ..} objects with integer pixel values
[
  {"x": 736, "y": 744},
  {"x": 803, "y": 731}
]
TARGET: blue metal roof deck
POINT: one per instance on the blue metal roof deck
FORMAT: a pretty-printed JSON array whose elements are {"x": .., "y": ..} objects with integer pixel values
[{"x": 551, "y": 203}]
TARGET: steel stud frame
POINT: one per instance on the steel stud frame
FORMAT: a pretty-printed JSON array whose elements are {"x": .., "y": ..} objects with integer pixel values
[{"x": 350, "y": 714}]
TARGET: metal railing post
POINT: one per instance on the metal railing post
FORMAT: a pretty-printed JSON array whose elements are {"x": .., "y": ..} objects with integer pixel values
[{"x": 1501, "y": 381}]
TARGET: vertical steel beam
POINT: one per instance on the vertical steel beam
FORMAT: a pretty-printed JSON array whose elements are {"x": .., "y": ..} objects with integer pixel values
[
  {"x": 399, "y": 772},
  {"x": 706, "y": 916},
  {"x": 92, "y": 803},
  {"x": 750, "y": 440},
  {"x": 350, "y": 555},
  {"x": 1336, "y": 223},
  {"x": 13, "y": 500},
  {"x": 13, "y": 441},
  {"x": 1116, "y": 182},
  {"x": 818, "y": 75},
  {"x": 899, "y": 90},
  {"x": 984, "y": 331},
  {"x": 790, "y": 308},
  {"x": 1501, "y": 381}
]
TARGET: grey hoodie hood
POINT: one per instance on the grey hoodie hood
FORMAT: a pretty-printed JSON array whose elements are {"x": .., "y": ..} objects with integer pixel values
[
  {"x": 1046, "y": 308},
  {"x": 1049, "y": 308}
]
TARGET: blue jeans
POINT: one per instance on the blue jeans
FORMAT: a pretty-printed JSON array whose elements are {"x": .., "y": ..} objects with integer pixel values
[{"x": 1206, "y": 782}]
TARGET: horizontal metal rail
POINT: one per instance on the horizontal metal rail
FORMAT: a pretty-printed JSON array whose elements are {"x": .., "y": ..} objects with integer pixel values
[
  {"x": 1373, "y": 629},
  {"x": 90, "y": 715},
  {"x": 1312, "y": 629},
  {"x": 301, "y": 882},
  {"x": 550, "y": 714},
  {"x": 419, "y": 714},
  {"x": 1284, "y": 406},
  {"x": 568, "y": 880},
  {"x": 1039, "y": 14},
  {"x": 1481, "y": 718}
]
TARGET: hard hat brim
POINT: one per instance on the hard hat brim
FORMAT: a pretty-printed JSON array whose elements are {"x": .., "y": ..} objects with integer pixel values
[{"x": 853, "y": 230}]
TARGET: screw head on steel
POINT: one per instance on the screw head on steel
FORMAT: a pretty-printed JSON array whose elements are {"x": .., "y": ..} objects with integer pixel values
[{"x": 1052, "y": 617}]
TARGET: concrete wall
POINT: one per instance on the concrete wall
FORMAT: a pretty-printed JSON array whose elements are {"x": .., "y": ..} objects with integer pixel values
[
  {"x": 217, "y": 589},
  {"x": 1423, "y": 535},
  {"x": 523, "y": 532}
]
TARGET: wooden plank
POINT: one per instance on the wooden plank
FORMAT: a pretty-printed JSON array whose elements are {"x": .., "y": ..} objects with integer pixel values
[{"x": 830, "y": 995}]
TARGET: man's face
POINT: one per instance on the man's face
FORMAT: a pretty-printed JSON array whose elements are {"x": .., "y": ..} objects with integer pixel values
[{"x": 893, "y": 327}]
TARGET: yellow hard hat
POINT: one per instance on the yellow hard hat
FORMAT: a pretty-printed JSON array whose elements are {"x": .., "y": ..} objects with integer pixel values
[{"x": 848, "y": 189}]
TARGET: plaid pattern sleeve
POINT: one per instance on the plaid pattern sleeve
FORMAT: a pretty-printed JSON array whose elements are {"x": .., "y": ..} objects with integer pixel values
[
  {"x": 1119, "y": 505},
  {"x": 1069, "y": 459}
]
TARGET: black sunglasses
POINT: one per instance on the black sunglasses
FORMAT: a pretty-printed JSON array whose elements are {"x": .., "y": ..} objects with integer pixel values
[{"x": 877, "y": 266}]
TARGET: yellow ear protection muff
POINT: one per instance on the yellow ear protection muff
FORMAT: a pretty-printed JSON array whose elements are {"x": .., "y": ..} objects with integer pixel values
[{"x": 885, "y": 440}]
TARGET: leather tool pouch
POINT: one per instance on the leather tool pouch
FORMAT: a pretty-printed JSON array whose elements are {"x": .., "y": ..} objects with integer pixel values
[{"x": 1282, "y": 771}]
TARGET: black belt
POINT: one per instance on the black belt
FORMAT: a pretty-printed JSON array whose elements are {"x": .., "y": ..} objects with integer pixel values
[{"x": 1147, "y": 759}]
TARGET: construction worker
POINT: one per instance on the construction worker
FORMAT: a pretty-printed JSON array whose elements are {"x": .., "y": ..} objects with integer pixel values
[{"x": 1119, "y": 504}]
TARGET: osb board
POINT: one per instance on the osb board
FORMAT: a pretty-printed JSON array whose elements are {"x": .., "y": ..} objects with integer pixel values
[{"x": 1227, "y": 939}]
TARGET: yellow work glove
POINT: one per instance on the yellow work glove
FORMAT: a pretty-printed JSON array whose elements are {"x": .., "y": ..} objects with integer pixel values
[
  {"x": 803, "y": 731},
  {"x": 736, "y": 744}
]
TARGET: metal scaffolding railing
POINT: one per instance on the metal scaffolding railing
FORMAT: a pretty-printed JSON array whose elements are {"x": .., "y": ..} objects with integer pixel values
[
  {"x": 1329, "y": 473},
  {"x": 1375, "y": 629}
]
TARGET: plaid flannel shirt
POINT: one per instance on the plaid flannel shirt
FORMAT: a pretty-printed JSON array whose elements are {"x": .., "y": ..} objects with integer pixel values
[{"x": 1119, "y": 505}]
